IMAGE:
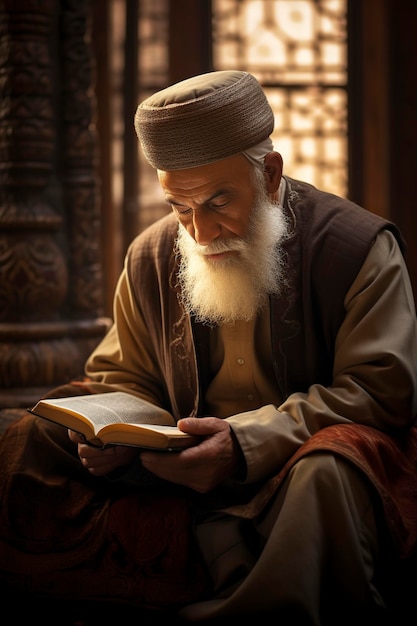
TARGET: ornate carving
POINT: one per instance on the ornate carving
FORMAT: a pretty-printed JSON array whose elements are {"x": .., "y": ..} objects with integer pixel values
[
  {"x": 34, "y": 278},
  {"x": 79, "y": 153},
  {"x": 50, "y": 266}
]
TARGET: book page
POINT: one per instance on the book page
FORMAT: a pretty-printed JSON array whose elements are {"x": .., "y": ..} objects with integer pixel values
[
  {"x": 116, "y": 418},
  {"x": 114, "y": 407},
  {"x": 148, "y": 435}
]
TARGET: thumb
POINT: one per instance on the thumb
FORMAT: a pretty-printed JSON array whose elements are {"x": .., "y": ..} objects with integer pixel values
[{"x": 201, "y": 425}]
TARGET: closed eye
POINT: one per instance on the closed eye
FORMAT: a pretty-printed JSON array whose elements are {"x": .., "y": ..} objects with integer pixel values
[
  {"x": 219, "y": 203},
  {"x": 180, "y": 209}
]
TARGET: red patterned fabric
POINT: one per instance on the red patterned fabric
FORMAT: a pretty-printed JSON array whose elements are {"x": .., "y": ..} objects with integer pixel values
[
  {"x": 65, "y": 534},
  {"x": 138, "y": 548},
  {"x": 389, "y": 463}
]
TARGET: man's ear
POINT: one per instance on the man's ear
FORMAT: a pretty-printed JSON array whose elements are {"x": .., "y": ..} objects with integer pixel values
[{"x": 273, "y": 171}]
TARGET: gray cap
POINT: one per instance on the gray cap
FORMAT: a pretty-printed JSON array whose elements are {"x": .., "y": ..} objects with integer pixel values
[{"x": 203, "y": 119}]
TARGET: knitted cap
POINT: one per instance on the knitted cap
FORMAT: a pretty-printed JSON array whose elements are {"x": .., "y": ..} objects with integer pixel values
[{"x": 203, "y": 119}]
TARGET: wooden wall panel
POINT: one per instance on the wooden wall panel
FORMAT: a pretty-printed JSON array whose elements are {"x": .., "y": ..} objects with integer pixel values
[{"x": 383, "y": 113}]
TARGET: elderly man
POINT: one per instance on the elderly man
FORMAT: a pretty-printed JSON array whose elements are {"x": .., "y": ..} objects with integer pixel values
[{"x": 277, "y": 322}]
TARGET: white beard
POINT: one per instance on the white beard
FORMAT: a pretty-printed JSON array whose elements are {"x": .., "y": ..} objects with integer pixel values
[{"x": 236, "y": 288}]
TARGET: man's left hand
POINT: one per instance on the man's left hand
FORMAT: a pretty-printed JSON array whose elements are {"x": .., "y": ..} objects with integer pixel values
[{"x": 204, "y": 466}]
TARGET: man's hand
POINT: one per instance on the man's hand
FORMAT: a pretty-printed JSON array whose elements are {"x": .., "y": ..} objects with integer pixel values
[
  {"x": 202, "y": 467},
  {"x": 100, "y": 461}
]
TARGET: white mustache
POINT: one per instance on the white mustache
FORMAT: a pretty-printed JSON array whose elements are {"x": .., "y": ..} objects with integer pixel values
[{"x": 217, "y": 247}]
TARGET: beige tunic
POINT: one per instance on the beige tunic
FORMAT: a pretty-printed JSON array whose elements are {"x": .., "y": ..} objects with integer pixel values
[
  {"x": 298, "y": 528},
  {"x": 243, "y": 389}
]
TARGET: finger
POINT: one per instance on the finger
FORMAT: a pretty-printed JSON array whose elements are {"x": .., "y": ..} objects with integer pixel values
[
  {"x": 163, "y": 465},
  {"x": 75, "y": 437},
  {"x": 98, "y": 465},
  {"x": 202, "y": 425}
]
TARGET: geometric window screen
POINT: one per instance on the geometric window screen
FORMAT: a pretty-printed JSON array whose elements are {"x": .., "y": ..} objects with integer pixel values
[{"x": 297, "y": 49}]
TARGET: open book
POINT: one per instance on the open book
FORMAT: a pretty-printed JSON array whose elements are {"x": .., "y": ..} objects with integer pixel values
[{"x": 116, "y": 417}]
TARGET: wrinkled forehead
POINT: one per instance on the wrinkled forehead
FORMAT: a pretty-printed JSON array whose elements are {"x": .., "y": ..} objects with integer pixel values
[{"x": 230, "y": 176}]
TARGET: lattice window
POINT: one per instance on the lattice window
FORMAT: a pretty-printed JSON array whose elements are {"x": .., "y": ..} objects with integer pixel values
[
  {"x": 297, "y": 50},
  {"x": 153, "y": 38}
]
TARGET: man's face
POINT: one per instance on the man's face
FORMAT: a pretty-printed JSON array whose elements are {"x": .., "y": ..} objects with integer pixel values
[
  {"x": 211, "y": 201},
  {"x": 227, "y": 241}
]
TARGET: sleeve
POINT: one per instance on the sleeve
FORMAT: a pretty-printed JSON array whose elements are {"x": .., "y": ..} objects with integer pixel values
[
  {"x": 374, "y": 374},
  {"x": 124, "y": 359}
]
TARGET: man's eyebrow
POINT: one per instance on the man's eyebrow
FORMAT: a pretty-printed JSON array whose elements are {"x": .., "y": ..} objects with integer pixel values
[
  {"x": 216, "y": 194},
  {"x": 173, "y": 201}
]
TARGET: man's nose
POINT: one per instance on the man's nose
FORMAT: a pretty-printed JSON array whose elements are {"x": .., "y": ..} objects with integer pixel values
[{"x": 206, "y": 227}]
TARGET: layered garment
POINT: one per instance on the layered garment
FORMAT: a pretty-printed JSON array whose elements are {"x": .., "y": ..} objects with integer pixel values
[{"x": 327, "y": 502}]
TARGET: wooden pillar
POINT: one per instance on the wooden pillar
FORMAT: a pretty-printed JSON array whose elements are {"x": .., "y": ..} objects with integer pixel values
[
  {"x": 382, "y": 114},
  {"x": 368, "y": 63},
  {"x": 403, "y": 126},
  {"x": 190, "y": 39},
  {"x": 51, "y": 300}
]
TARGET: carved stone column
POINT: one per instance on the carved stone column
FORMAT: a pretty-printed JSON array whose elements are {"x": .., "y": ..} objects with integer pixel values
[{"x": 51, "y": 301}]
